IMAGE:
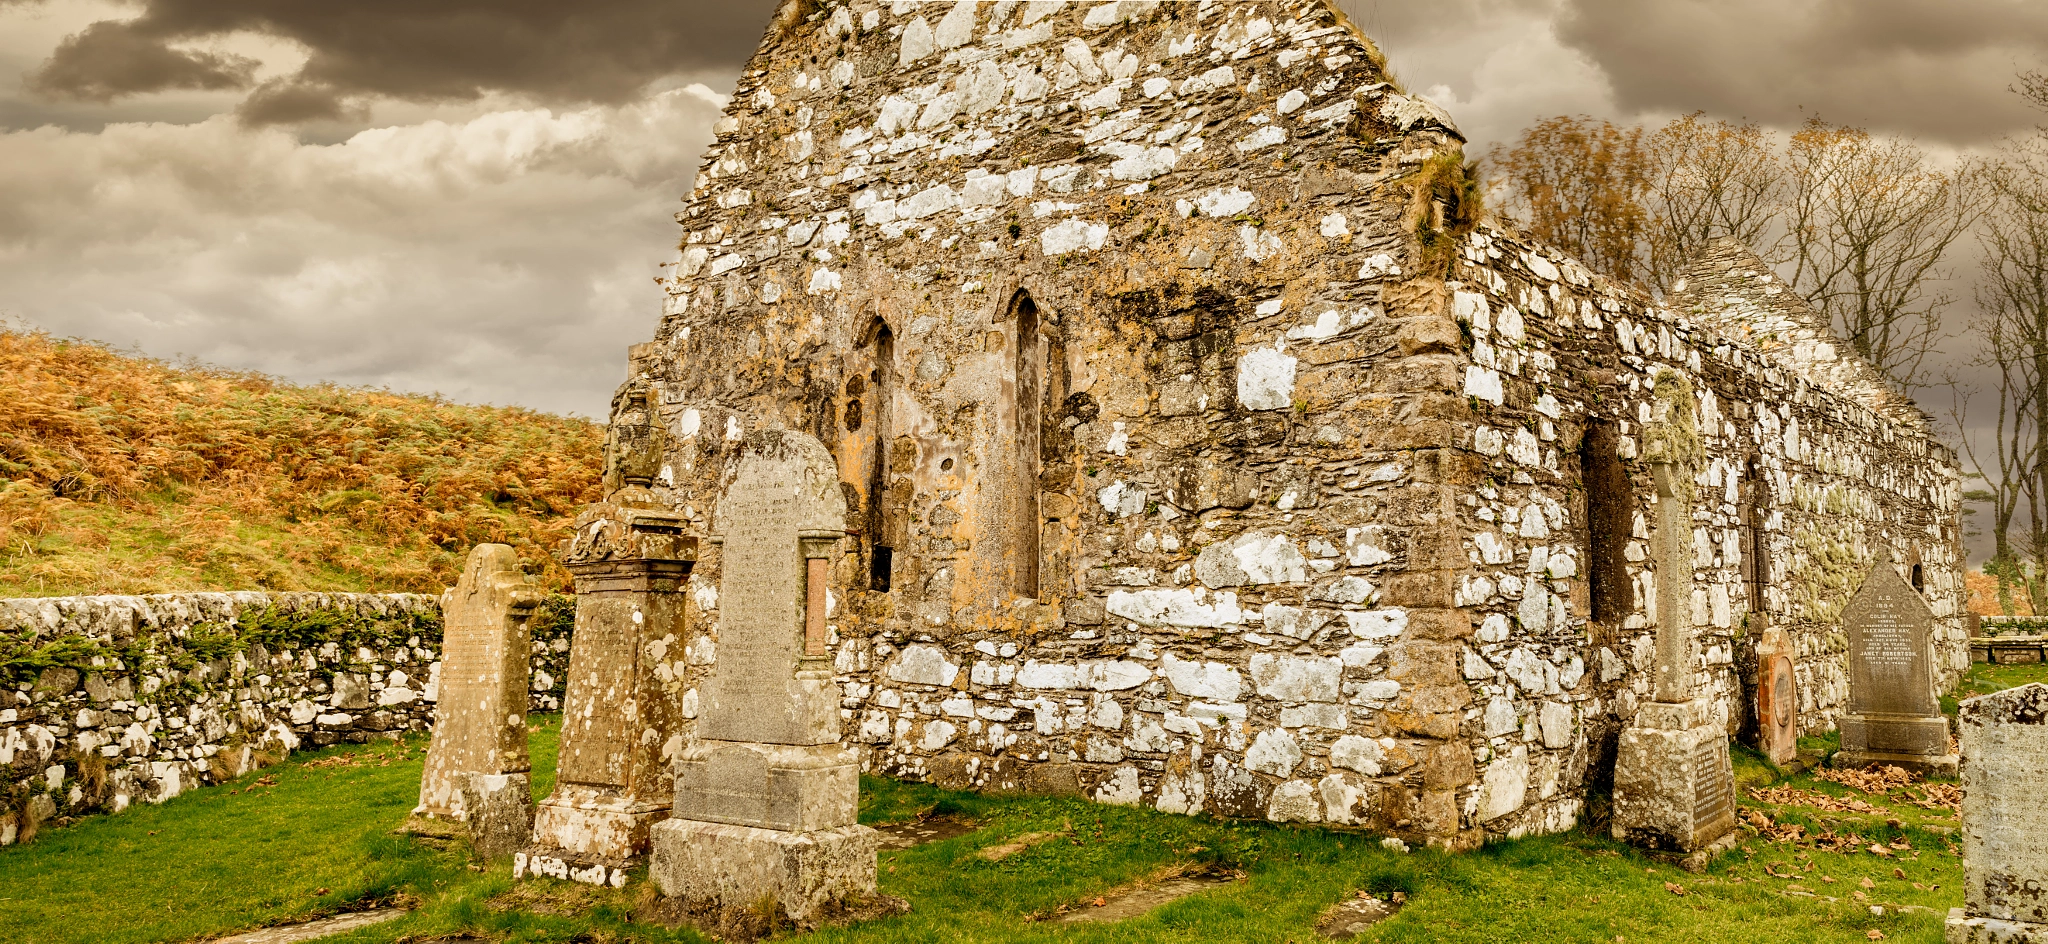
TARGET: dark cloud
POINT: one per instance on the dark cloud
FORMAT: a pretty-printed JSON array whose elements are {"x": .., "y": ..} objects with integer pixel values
[
  {"x": 110, "y": 59},
  {"x": 1931, "y": 68},
  {"x": 448, "y": 50}
]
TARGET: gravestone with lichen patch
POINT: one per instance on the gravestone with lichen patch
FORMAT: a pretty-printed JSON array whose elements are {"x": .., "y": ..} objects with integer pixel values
[
  {"x": 1674, "y": 786},
  {"x": 766, "y": 796},
  {"x": 2005, "y": 819},
  {"x": 623, "y": 713},
  {"x": 480, "y": 718},
  {"x": 1893, "y": 715}
]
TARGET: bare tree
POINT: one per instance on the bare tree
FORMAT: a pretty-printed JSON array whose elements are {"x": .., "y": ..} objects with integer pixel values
[
  {"x": 1579, "y": 185},
  {"x": 2013, "y": 302},
  {"x": 1869, "y": 222},
  {"x": 1710, "y": 179}
]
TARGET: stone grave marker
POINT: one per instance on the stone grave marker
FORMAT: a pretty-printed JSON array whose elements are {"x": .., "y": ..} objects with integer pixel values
[
  {"x": 1674, "y": 785},
  {"x": 480, "y": 717},
  {"x": 622, "y": 713},
  {"x": 1893, "y": 716},
  {"x": 766, "y": 795},
  {"x": 2005, "y": 819},
  {"x": 1777, "y": 697}
]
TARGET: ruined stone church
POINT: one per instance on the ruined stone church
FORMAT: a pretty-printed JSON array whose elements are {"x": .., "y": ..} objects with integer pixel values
[{"x": 1205, "y": 448}]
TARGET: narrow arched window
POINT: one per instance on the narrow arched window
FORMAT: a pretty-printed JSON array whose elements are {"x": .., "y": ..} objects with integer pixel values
[
  {"x": 1756, "y": 550},
  {"x": 1026, "y": 394},
  {"x": 1610, "y": 522},
  {"x": 880, "y": 518}
]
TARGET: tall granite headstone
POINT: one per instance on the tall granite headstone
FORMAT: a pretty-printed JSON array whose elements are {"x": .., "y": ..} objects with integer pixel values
[
  {"x": 766, "y": 795},
  {"x": 480, "y": 718},
  {"x": 1777, "y": 697},
  {"x": 1893, "y": 717},
  {"x": 622, "y": 715},
  {"x": 2005, "y": 819},
  {"x": 1674, "y": 786}
]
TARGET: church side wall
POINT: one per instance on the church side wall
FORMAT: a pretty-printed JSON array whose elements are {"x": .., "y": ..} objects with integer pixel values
[{"x": 1836, "y": 481}]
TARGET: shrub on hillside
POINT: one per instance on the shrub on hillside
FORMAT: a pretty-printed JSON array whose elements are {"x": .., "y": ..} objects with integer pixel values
[{"x": 120, "y": 473}]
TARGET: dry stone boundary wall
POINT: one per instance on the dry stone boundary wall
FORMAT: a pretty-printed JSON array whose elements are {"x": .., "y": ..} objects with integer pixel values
[{"x": 110, "y": 700}]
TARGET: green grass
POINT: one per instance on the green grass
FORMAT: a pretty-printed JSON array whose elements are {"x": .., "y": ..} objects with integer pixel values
[
  {"x": 1983, "y": 679},
  {"x": 237, "y": 856}
]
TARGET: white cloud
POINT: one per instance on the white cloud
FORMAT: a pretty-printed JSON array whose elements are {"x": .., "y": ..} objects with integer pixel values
[{"x": 508, "y": 257}]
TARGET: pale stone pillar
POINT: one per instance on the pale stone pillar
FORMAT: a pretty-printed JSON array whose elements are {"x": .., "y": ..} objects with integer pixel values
[
  {"x": 2005, "y": 819},
  {"x": 1674, "y": 787},
  {"x": 766, "y": 796},
  {"x": 480, "y": 717}
]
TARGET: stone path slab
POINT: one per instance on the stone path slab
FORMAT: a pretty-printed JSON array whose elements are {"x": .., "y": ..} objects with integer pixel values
[
  {"x": 917, "y": 833},
  {"x": 312, "y": 930},
  {"x": 1132, "y": 902},
  {"x": 1348, "y": 919}
]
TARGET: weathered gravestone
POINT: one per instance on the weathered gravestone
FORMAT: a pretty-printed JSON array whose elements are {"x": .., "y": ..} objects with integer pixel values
[
  {"x": 766, "y": 796},
  {"x": 2005, "y": 819},
  {"x": 622, "y": 715},
  {"x": 1777, "y": 697},
  {"x": 480, "y": 717},
  {"x": 1893, "y": 716},
  {"x": 1674, "y": 786}
]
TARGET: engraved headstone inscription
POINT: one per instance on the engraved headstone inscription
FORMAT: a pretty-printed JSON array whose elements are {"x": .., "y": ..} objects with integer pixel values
[
  {"x": 480, "y": 717},
  {"x": 2005, "y": 819},
  {"x": 1893, "y": 716},
  {"x": 766, "y": 795}
]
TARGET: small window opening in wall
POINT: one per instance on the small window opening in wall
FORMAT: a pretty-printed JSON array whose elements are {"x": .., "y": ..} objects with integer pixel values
[
  {"x": 881, "y": 523},
  {"x": 1756, "y": 562},
  {"x": 1610, "y": 516},
  {"x": 879, "y": 563},
  {"x": 1026, "y": 390},
  {"x": 1919, "y": 577}
]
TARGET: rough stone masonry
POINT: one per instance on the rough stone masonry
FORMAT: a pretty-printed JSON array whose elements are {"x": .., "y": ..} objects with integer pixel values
[
  {"x": 172, "y": 691},
  {"x": 1202, "y": 452}
]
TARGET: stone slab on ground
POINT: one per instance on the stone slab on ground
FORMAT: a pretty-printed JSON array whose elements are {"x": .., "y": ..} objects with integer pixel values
[
  {"x": 1139, "y": 899},
  {"x": 499, "y": 808},
  {"x": 1346, "y": 920},
  {"x": 314, "y": 930},
  {"x": 919, "y": 832}
]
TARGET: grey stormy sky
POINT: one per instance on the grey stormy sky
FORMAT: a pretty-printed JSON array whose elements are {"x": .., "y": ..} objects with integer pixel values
[{"x": 472, "y": 196}]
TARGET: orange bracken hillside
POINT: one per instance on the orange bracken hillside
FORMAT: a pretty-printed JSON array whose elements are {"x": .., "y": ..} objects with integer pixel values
[{"x": 120, "y": 474}]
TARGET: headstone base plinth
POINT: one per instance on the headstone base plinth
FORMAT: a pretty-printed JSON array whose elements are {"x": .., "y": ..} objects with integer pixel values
[
  {"x": 1674, "y": 787},
  {"x": 499, "y": 808},
  {"x": 1964, "y": 928},
  {"x": 715, "y": 867},
  {"x": 595, "y": 835},
  {"x": 1916, "y": 744},
  {"x": 787, "y": 787}
]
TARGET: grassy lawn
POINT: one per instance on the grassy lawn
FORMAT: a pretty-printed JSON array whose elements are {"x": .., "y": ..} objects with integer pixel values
[{"x": 314, "y": 836}]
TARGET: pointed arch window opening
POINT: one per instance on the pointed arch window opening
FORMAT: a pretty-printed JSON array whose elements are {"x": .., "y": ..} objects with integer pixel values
[{"x": 880, "y": 517}]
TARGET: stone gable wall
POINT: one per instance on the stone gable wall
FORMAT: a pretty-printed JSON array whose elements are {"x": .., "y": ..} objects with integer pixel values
[
  {"x": 150, "y": 696},
  {"x": 1290, "y": 491}
]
